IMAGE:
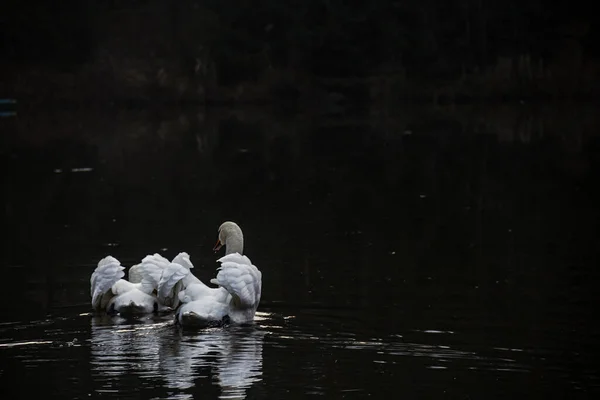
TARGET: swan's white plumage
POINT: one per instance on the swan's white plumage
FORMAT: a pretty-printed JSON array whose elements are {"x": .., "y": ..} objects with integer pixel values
[
  {"x": 237, "y": 295},
  {"x": 174, "y": 277},
  {"x": 131, "y": 298},
  {"x": 240, "y": 278},
  {"x": 111, "y": 292},
  {"x": 151, "y": 271},
  {"x": 170, "y": 277},
  {"x": 198, "y": 291},
  {"x": 202, "y": 305},
  {"x": 183, "y": 259},
  {"x": 157, "y": 282},
  {"x": 108, "y": 273}
]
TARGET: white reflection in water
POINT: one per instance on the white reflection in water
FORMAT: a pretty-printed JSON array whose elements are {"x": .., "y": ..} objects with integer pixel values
[
  {"x": 234, "y": 356},
  {"x": 117, "y": 350},
  {"x": 231, "y": 357}
]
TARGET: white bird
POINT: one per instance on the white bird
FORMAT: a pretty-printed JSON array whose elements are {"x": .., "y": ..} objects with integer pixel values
[
  {"x": 239, "y": 285},
  {"x": 113, "y": 294}
]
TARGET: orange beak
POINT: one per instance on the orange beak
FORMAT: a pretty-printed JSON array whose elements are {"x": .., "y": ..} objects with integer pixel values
[{"x": 218, "y": 246}]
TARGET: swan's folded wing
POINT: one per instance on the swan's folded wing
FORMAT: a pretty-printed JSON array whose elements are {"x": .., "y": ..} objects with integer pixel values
[
  {"x": 151, "y": 270},
  {"x": 170, "y": 284},
  {"x": 175, "y": 278},
  {"x": 108, "y": 272},
  {"x": 157, "y": 260},
  {"x": 241, "y": 279},
  {"x": 183, "y": 259},
  {"x": 149, "y": 274}
]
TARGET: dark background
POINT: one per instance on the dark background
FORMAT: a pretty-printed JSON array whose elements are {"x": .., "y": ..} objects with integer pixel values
[{"x": 301, "y": 51}]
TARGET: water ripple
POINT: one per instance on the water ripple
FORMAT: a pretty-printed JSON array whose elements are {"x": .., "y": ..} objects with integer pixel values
[{"x": 161, "y": 352}]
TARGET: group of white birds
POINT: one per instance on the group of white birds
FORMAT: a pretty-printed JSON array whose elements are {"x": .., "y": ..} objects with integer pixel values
[{"x": 160, "y": 285}]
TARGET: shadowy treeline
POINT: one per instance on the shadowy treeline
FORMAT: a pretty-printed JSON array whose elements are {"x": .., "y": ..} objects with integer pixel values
[{"x": 319, "y": 53}]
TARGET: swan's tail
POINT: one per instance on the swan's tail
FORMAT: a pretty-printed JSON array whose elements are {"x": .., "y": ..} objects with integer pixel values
[
  {"x": 241, "y": 279},
  {"x": 108, "y": 272}
]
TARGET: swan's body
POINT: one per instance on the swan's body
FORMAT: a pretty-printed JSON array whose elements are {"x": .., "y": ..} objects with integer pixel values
[
  {"x": 237, "y": 296},
  {"x": 113, "y": 294},
  {"x": 235, "y": 299}
]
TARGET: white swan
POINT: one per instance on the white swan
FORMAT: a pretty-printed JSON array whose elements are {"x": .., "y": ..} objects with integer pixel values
[
  {"x": 113, "y": 294},
  {"x": 239, "y": 285}
]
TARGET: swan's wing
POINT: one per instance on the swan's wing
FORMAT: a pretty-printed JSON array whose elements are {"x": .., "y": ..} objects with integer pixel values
[
  {"x": 170, "y": 284},
  {"x": 175, "y": 278},
  {"x": 183, "y": 259},
  {"x": 241, "y": 279},
  {"x": 157, "y": 260},
  {"x": 108, "y": 272},
  {"x": 149, "y": 273}
]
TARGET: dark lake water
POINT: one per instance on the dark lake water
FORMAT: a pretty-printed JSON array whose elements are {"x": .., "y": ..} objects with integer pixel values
[{"x": 412, "y": 253}]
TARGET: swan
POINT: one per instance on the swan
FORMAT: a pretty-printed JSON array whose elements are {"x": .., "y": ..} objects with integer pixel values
[
  {"x": 238, "y": 291},
  {"x": 113, "y": 294}
]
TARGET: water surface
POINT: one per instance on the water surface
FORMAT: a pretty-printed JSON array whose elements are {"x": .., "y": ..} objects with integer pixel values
[{"x": 421, "y": 255}]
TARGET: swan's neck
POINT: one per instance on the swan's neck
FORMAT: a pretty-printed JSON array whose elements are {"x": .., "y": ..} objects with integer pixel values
[{"x": 234, "y": 244}]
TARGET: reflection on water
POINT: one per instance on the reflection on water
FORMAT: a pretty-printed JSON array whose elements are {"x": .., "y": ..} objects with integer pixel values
[
  {"x": 233, "y": 354},
  {"x": 158, "y": 351},
  {"x": 278, "y": 357},
  {"x": 117, "y": 349}
]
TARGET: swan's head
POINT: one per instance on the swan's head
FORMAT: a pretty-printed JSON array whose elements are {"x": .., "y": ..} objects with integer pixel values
[{"x": 230, "y": 235}]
